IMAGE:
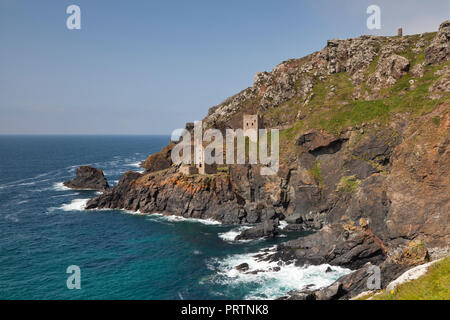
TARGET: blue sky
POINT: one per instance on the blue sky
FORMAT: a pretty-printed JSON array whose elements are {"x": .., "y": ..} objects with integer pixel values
[{"x": 147, "y": 67}]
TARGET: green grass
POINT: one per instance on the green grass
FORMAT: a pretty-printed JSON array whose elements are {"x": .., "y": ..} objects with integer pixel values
[
  {"x": 334, "y": 118},
  {"x": 222, "y": 169},
  {"x": 434, "y": 285},
  {"x": 348, "y": 184},
  {"x": 436, "y": 120},
  {"x": 316, "y": 173},
  {"x": 334, "y": 112}
]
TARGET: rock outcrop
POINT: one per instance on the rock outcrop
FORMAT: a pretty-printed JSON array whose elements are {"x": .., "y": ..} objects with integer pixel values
[
  {"x": 364, "y": 159},
  {"x": 343, "y": 245},
  {"x": 160, "y": 160},
  {"x": 439, "y": 49},
  {"x": 88, "y": 178},
  {"x": 267, "y": 229},
  {"x": 388, "y": 71}
]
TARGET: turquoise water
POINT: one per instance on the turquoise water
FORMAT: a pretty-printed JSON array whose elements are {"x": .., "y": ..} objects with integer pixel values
[{"x": 44, "y": 229}]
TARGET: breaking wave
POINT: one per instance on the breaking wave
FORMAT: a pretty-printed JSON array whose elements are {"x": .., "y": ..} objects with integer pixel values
[
  {"x": 269, "y": 279},
  {"x": 75, "y": 205}
]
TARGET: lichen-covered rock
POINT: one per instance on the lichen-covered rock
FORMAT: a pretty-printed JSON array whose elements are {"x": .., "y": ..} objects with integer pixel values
[
  {"x": 439, "y": 49},
  {"x": 352, "y": 55},
  {"x": 443, "y": 83},
  {"x": 160, "y": 160},
  {"x": 418, "y": 71},
  {"x": 388, "y": 71},
  {"x": 88, "y": 178}
]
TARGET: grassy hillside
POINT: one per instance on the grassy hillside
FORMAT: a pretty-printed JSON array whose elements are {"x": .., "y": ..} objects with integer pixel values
[{"x": 434, "y": 285}]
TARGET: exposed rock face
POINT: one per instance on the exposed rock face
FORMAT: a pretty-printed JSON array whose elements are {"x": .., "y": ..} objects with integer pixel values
[
  {"x": 439, "y": 49},
  {"x": 88, "y": 178},
  {"x": 160, "y": 160},
  {"x": 350, "y": 285},
  {"x": 388, "y": 71},
  {"x": 344, "y": 245},
  {"x": 171, "y": 192},
  {"x": 352, "y": 55},
  {"x": 418, "y": 70},
  {"x": 421, "y": 167},
  {"x": 267, "y": 229},
  {"x": 443, "y": 83}
]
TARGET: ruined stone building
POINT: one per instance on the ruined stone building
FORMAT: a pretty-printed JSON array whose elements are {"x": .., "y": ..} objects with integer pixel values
[{"x": 251, "y": 125}]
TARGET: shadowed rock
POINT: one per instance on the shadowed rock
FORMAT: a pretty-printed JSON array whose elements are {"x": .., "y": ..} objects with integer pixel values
[
  {"x": 267, "y": 229},
  {"x": 88, "y": 178}
]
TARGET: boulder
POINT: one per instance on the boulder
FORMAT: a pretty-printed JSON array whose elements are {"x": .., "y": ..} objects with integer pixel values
[
  {"x": 418, "y": 71},
  {"x": 243, "y": 267},
  {"x": 294, "y": 218},
  {"x": 267, "y": 229},
  {"x": 439, "y": 49},
  {"x": 388, "y": 71},
  {"x": 88, "y": 178},
  {"x": 443, "y": 83}
]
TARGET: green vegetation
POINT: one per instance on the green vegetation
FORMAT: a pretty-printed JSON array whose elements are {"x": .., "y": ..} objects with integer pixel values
[
  {"x": 434, "y": 285},
  {"x": 436, "y": 120},
  {"x": 331, "y": 105},
  {"x": 222, "y": 169},
  {"x": 316, "y": 173},
  {"x": 334, "y": 109},
  {"x": 348, "y": 184}
]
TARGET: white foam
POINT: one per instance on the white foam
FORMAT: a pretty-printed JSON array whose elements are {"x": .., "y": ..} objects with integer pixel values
[
  {"x": 65, "y": 195},
  {"x": 24, "y": 184},
  {"x": 272, "y": 284},
  {"x": 75, "y": 205},
  {"x": 12, "y": 217},
  {"x": 283, "y": 224},
  {"x": 173, "y": 218},
  {"x": 231, "y": 235},
  {"x": 135, "y": 164},
  {"x": 59, "y": 186}
]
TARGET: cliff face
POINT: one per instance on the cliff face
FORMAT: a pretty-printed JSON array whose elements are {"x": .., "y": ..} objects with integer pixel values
[{"x": 364, "y": 154}]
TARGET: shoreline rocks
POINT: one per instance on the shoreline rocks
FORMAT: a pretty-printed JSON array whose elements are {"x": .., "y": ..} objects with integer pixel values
[
  {"x": 267, "y": 229},
  {"x": 88, "y": 178}
]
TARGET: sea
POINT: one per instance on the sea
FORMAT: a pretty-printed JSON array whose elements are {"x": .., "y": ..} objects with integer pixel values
[{"x": 44, "y": 230}]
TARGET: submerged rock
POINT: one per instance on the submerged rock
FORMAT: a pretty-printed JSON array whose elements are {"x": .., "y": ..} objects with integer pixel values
[
  {"x": 88, "y": 178},
  {"x": 243, "y": 267}
]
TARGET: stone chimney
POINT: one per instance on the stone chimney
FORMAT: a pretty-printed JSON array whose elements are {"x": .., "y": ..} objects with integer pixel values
[{"x": 400, "y": 32}]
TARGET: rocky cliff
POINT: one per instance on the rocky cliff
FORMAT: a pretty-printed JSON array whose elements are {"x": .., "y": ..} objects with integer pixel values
[{"x": 364, "y": 155}]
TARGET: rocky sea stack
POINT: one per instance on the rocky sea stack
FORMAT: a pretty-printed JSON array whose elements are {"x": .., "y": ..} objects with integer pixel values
[
  {"x": 364, "y": 160},
  {"x": 88, "y": 178}
]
